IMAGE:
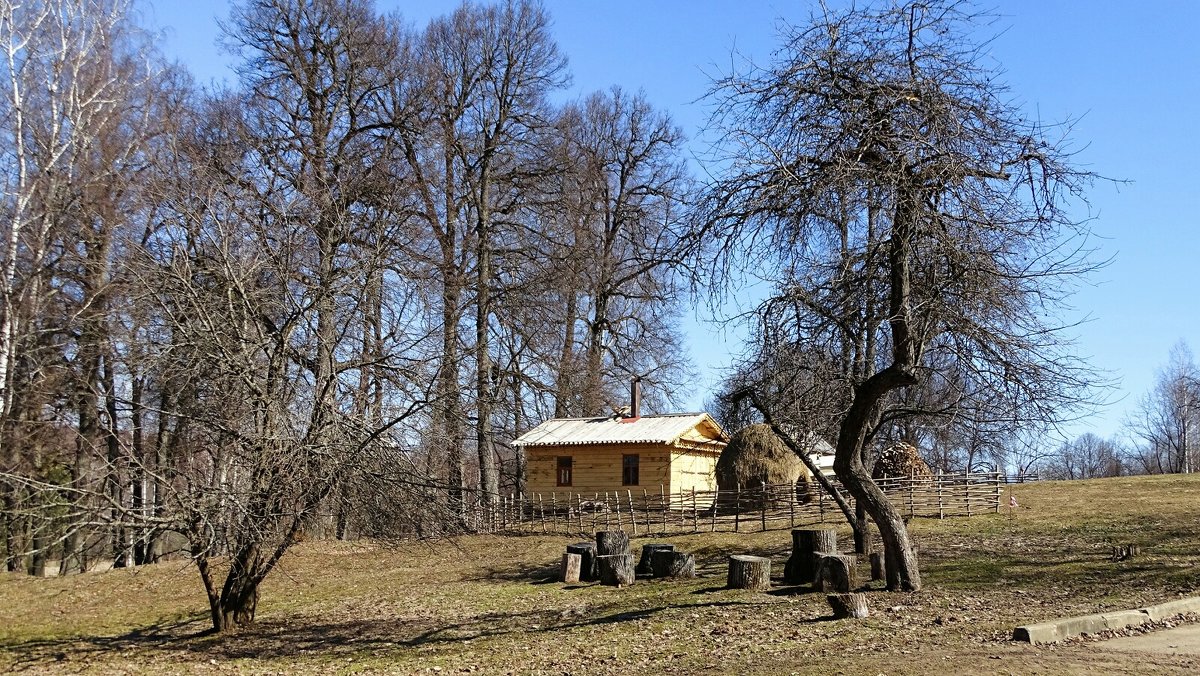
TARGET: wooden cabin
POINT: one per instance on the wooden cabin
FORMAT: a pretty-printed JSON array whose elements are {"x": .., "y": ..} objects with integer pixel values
[{"x": 673, "y": 453}]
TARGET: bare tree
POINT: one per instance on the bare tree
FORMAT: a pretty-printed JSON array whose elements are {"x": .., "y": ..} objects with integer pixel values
[
  {"x": 1085, "y": 457},
  {"x": 280, "y": 220},
  {"x": 876, "y": 154},
  {"x": 624, "y": 166},
  {"x": 1167, "y": 420},
  {"x": 84, "y": 97}
]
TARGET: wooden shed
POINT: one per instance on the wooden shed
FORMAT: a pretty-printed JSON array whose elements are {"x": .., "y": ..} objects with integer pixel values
[{"x": 674, "y": 453}]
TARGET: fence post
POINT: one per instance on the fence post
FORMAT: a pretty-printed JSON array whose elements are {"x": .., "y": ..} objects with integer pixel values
[
  {"x": 912, "y": 480},
  {"x": 713, "y": 507},
  {"x": 542, "y": 513},
  {"x": 632, "y": 513},
  {"x": 595, "y": 509},
  {"x": 695, "y": 514},
  {"x": 996, "y": 478},
  {"x": 792, "y": 506},
  {"x": 941, "y": 505},
  {"x": 662, "y": 499},
  {"x": 821, "y": 503},
  {"x": 579, "y": 510},
  {"x": 646, "y": 512},
  {"x": 607, "y": 513},
  {"x": 737, "y": 507},
  {"x": 967, "y": 491},
  {"x": 762, "y": 514}
]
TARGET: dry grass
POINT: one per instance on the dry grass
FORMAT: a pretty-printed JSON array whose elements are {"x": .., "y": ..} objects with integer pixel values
[{"x": 487, "y": 605}]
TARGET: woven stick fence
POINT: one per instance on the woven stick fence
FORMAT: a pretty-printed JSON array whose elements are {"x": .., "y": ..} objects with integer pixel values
[{"x": 656, "y": 511}]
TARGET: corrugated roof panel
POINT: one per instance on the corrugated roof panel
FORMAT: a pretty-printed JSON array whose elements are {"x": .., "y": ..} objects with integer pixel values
[{"x": 650, "y": 429}]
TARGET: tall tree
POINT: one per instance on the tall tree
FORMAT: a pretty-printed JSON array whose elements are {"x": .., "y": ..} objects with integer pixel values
[
  {"x": 1167, "y": 419},
  {"x": 485, "y": 73},
  {"x": 882, "y": 134}
]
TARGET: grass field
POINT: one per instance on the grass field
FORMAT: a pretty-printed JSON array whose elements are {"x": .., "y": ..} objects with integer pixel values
[{"x": 489, "y": 605}]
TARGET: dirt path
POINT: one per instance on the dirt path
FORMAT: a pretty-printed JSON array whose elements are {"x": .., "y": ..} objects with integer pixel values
[{"x": 1178, "y": 641}]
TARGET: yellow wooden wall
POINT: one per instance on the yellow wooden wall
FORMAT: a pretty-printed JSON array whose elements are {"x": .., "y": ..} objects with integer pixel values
[
  {"x": 597, "y": 468},
  {"x": 693, "y": 470}
]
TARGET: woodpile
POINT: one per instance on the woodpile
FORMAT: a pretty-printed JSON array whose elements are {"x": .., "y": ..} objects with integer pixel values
[{"x": 900, "y": 460}]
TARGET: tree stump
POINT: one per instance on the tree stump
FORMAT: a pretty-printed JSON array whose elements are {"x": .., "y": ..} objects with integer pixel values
[
  {"x": 848, "y": 605},
  {"x": 645, "y": 564},
  {"x": 673, "y": 564},
  {"x": 749, "y": 572},
  {"x": 878, "y": 567},
  {"x": 807, "y": 543},
  {"x": 615, "y": 558},
  {"x": 588, "y": 567},
  {"x": 569, "y": 570},
  {"x": 1124, "y": 552},
  {"x": 835, "y": 573}
]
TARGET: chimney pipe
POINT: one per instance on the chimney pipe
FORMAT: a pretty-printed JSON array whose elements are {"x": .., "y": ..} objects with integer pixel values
[{"x": 635, "y": 398}]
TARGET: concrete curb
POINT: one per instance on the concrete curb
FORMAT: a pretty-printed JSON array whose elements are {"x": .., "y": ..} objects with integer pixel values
[{"x": 1067, "y": 627}]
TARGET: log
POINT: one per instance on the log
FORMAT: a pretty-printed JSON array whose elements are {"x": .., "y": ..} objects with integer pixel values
[
  {"x": 568, "y": 571},
  {"x": 749, "y": 572},
  {"x": 645, "y": 565},
  {"x": 615, "y": 558},
  {"x": 878, "y": 567},
  {"x": 668, "y": 563},
  {"x": 848, "y": 605},
  {"x": 807, "y": 543},
  {"x": 589, "y": 570},
  {"x": 835, "y": 573}
]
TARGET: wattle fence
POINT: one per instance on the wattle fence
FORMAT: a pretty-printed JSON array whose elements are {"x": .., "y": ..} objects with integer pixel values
[{"x": 644, "y": 511}]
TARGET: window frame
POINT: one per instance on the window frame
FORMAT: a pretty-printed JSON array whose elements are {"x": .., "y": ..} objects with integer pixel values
[
  {"x": 569, "y": 466},
  {"x": 635, "y": 466}
]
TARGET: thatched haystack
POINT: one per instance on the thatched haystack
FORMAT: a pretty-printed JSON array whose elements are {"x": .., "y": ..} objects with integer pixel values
[
  {"x": 900, "y": 460},
  {"x": 754, "y": 456}
]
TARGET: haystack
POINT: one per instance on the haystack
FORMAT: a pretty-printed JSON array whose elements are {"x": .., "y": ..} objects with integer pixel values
[
  {"x": 900, "y": 460},
  {"x": 754, "y": 456}
]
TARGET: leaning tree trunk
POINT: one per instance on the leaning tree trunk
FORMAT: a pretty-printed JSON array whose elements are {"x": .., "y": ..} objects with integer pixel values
[
  {"x": 235, "y": 606},
  {"x": 901, "y": 560}
]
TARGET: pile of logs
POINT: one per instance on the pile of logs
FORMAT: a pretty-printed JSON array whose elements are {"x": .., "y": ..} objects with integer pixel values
[
  {"x": 609, "y": 560},
  {"x": 814, "y": 563}
]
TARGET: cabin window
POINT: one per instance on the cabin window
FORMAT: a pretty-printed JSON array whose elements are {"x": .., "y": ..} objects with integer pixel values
[
  {"x": 629, "y": 470},
  {"x": 564, "y": 470}
]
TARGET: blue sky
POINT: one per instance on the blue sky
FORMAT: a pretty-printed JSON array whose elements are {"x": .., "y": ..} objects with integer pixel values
[{"x": 1127, "y": 73}]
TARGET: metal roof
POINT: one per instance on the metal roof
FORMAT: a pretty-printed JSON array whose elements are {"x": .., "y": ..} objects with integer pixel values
[{"x": 649, "y": 429}]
